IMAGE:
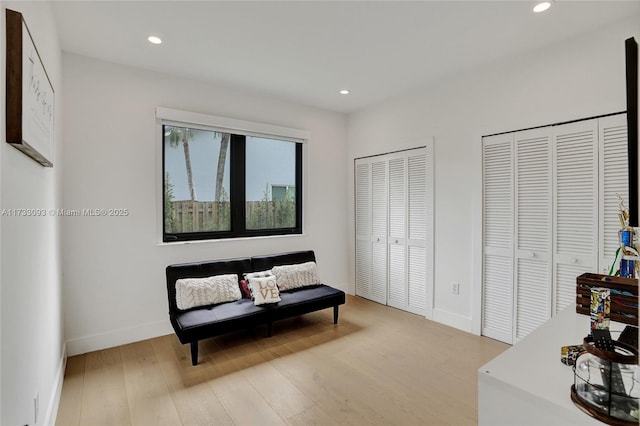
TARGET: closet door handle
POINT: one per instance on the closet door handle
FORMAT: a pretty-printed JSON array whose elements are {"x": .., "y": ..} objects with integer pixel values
[
  {"x": 532, "y": 254},
  {"x": 396, "y": 241},
  {"x": 574, "y": 260}
]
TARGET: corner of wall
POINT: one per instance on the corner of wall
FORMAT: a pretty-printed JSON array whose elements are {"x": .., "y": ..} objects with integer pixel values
[
  {"x": 452, "y": 320},
  {"x": 33, "y": 355},
  {"x": 56, "y": 390}
]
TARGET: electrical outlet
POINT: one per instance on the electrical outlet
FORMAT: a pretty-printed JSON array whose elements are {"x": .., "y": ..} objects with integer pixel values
[
  {"x": 36, "y": 408},
  {"x": 455, "y": 287}
]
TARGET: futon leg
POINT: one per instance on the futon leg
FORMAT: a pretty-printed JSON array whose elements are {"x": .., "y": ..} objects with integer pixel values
[
  {"x": 335, "y": 314},
  {"x": 194, "y": 353},
  {"x": 269, "y": 329}
]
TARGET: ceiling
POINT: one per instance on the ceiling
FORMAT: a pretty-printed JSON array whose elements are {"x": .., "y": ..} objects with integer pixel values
[{"x": 306, "y": 51}]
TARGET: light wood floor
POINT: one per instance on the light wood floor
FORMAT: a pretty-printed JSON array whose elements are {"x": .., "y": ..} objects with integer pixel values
[{"x": 378, "y": 366}]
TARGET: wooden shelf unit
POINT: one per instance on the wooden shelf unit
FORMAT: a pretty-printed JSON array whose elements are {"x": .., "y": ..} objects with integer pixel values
[{"x": 624, "y": 296}]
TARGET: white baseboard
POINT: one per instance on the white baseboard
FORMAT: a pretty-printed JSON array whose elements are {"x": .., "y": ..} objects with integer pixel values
[
  {"x": 96, "y": 342},
  {"x": 452, "y": 320},
  {"x": 56, "y": 391}
]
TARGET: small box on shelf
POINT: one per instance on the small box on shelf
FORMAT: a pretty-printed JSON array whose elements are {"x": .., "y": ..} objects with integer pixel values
[{"x": 569, "y": 354}]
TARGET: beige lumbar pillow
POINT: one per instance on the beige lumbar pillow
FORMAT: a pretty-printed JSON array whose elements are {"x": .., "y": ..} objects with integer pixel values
[
  {"x": 193, "y": 292},
  {"x": 296, "y": 276}
]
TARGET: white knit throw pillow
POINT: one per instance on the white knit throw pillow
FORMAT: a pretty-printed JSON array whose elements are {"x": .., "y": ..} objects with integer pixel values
[
  {"x": 296, "y": 276},
  {"x": 193, "y": 292}
]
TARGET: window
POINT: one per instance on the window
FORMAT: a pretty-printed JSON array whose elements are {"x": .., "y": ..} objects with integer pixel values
[
  {"x": 281, "y": 192},
  {"x": 221, "y": 184}
]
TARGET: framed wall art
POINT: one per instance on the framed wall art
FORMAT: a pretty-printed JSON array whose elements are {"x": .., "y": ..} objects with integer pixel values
[{"x": 29, "y": 94}]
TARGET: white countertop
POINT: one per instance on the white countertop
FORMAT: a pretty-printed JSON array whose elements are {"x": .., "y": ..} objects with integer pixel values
[{"x": 534, "y": 386}]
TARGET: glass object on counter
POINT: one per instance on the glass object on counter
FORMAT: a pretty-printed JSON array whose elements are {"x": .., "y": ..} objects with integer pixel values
[{"x": 607, "y": 383}]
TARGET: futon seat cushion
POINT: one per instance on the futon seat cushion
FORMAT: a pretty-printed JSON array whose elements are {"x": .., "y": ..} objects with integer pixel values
[
  {"x": 307, "y": 299},
  {"x": 218, "y": 319}
]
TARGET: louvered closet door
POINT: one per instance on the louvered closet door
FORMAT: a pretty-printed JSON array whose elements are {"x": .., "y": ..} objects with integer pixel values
[
  {"x": 613, "y": 179},
  {"x": 363, "y": 247},
  {"x": 497, "y": 205},
  {"x": 379, "y": 230},
  {"x": 533, "y": 232},
  {"x": 397, "y": 231},
  {"x": 576, "y": 207},
  {"x": 419, "y": 252}
]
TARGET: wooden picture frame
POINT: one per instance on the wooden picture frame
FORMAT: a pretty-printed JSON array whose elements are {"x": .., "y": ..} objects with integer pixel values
[{"x": 29, "y": 94}]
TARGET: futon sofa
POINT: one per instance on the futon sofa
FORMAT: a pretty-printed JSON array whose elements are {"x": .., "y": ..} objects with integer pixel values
[{"x": 201, "y": 322}]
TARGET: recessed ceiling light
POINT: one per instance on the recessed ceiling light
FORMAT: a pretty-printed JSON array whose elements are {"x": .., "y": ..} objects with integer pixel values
[
  {"x": 154, "y": 40},
  {"x": 542, "y": 6},
  {"x": 344, "y": 92}
]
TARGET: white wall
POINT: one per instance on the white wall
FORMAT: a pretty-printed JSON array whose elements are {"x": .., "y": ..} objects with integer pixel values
[
  {"x": 115, "y": 289},
  {"x": 2, "y": 138},
  {"x": 30, "y": 278},
  {"x": 577, "y": 78}
]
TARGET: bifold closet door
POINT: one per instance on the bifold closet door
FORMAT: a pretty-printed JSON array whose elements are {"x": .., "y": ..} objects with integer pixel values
[
  {"x": 397, "y": 231},
  {"x": 533, "y": 232},
  {"x": 371, "y": 229},
  {"x": 497, "y": 217},
  {"x": 409, "y": 266},
  {"x": 394, "y": 229},
  {"x": 419, "y": 231},
  {"x": 575, "y": 172},
  {"x": 379, "y": 231},
  {"x": 613, "y": 180},
  {"x": 549, "y": 215},
  {"x": 363, "y": 256}
]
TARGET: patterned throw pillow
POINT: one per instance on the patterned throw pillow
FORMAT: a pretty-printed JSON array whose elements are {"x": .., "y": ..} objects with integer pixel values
[
  {"x": 249, "y": 275},
  {"x": 265, "y": 290},
  {"x": 296, "y": 276},
  {"x": 193, "y": 292}
]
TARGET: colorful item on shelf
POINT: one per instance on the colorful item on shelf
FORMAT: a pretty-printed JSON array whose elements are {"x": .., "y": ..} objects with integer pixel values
[
  {"x": 600, "y": 307},
  {"x": 627, "y": 256},
  {"x": 569, "y": 354},
  {"x": 627, "y": 267}
]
